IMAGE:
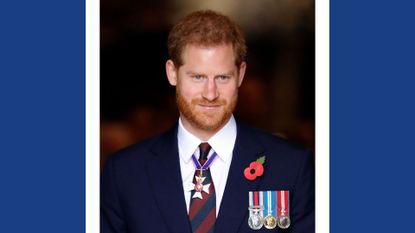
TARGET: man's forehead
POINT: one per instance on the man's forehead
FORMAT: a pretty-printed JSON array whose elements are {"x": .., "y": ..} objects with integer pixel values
[{"x": 198, "y": 51}]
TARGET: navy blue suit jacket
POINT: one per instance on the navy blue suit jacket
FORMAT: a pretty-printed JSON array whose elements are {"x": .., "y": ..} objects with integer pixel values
[{"x": 142, "y": 191}]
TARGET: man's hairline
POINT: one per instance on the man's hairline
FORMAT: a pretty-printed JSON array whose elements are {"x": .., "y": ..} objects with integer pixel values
[{"x": 201, "y": 45}]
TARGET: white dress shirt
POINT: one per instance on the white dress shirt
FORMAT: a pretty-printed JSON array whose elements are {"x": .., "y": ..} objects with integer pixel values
[{"x": 222, "y": 143}]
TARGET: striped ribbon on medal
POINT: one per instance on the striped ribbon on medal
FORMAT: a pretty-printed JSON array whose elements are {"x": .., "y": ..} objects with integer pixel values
[
  {"x": 276, "y": 203},
  {"x": 206, "y": 164},
  {"x": 256, "y": 198},
  {"x": 261, "y": 201},
  {"x": 251, "y": 201},
  {"x": 269, "y": 203},
  {"x": 283, "y": 198},
  {"x": 251, "y": 198}
]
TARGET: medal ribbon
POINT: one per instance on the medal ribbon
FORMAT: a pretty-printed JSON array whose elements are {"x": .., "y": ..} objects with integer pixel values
[
  {"x": 269, "y": 202},
  {"x": 251, "y": 198},
  {"x": 261, "y": 201},
  {"x": 206, "y": 164},
  {"x": 283, "y": 203},
  {"x": 256, "y": 198}
]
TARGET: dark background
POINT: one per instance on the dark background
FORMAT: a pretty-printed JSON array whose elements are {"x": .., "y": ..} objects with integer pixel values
[{"x": 278, "y": 91}]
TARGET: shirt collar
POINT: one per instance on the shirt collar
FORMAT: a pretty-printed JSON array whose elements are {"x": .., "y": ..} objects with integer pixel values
[{"x": 222, "y": 142}]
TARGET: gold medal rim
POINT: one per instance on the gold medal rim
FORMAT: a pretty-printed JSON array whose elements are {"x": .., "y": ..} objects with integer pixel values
[{"x": 271, "y": 226}]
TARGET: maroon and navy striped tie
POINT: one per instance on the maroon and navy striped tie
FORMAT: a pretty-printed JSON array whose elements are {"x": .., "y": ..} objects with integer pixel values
[{"x": 202, "y": 212}]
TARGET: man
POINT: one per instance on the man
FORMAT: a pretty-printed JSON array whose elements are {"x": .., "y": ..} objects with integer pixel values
[{"x": 209, "y": 173}]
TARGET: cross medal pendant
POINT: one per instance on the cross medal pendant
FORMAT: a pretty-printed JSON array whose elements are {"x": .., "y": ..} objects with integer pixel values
[{"x": 199, "y": 187}]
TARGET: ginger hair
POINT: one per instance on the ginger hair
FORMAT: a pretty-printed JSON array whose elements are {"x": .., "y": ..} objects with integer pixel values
[{"x": 205, "y": 28}]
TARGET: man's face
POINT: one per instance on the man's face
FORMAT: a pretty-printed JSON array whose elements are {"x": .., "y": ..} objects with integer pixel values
[{"x": 206, "y": 86}]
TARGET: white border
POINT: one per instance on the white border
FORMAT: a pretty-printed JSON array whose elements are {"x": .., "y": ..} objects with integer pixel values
[
  {"x": 92, "y": 137},
  {"x": 92, "y": 159},
  {"x": 322, "y": 116}
]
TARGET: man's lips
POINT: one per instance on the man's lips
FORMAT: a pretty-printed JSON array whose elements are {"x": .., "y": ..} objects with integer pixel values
[{"x": 210, "y": 106}]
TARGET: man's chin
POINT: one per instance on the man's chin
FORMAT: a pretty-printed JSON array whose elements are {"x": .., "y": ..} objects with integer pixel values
[
  {"x": 208, "y": 126},
  {"x": 212, "y": 124}
]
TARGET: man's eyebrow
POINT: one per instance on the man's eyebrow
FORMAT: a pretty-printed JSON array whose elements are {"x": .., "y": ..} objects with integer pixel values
[
  {"x": 229, "y": 73},
  {"x": 192, "y": 73}
]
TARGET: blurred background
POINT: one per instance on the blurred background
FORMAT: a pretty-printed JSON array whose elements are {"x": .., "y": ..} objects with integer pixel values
[{"x": 277, "y": 95}]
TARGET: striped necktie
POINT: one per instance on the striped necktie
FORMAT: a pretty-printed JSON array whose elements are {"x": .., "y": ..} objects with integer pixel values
[{"x": 202, "y": 213}]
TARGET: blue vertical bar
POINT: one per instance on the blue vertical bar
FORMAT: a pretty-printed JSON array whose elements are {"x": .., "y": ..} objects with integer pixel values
[
  {"x": 266, "y": 203},
  {"x": 372, "y": 114},
  {"x": 42, "y": 126},
  {"x": 273, "y": 203}
]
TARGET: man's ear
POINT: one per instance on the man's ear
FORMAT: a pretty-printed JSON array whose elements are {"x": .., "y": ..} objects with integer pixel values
[
  {"x": 241, "y": 73},
  {"x": 171, "y": 72}
]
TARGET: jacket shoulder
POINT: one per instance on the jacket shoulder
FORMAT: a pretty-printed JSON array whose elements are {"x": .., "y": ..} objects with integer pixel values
[
  {"x": 143, "y": 149},
  {"x": 276, "y": 145}
]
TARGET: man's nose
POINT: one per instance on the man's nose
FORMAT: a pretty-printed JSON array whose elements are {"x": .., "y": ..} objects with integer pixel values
[{"x": 210, "y": 90}]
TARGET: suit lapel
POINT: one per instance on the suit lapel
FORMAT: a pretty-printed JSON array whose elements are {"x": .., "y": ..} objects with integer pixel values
[
  {"x": 234, "y": 205},
  {"x": 166, "y": 183}
]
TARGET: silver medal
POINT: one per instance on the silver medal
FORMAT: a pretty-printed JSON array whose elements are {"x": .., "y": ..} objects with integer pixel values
[
  {"x": 255, "y": 221},
  {"x": 284, "y": 222}
]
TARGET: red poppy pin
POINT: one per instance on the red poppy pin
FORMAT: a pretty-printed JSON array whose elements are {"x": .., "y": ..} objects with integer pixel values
[{"x": 255, "y": 169}]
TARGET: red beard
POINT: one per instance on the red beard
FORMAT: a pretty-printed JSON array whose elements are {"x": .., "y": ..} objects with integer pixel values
[{"x": 209, "y": 121}]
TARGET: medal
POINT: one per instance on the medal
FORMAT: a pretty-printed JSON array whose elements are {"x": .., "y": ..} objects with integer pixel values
[
  {"x": 255, "y": 220},
  {"x": 270, "y": 222},
  {"x": 198, "y": 185},
  {"x": 256, "y": 210},
  {"x": 283, "y": 209},
  {"x": 269, "y": 209},
  {"x": 284, "y": 222}
]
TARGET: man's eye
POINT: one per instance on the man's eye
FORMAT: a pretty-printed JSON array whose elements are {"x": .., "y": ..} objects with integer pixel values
[
  {"x": 197, "y": 77},
  {"x": 223, "y": 78}
]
